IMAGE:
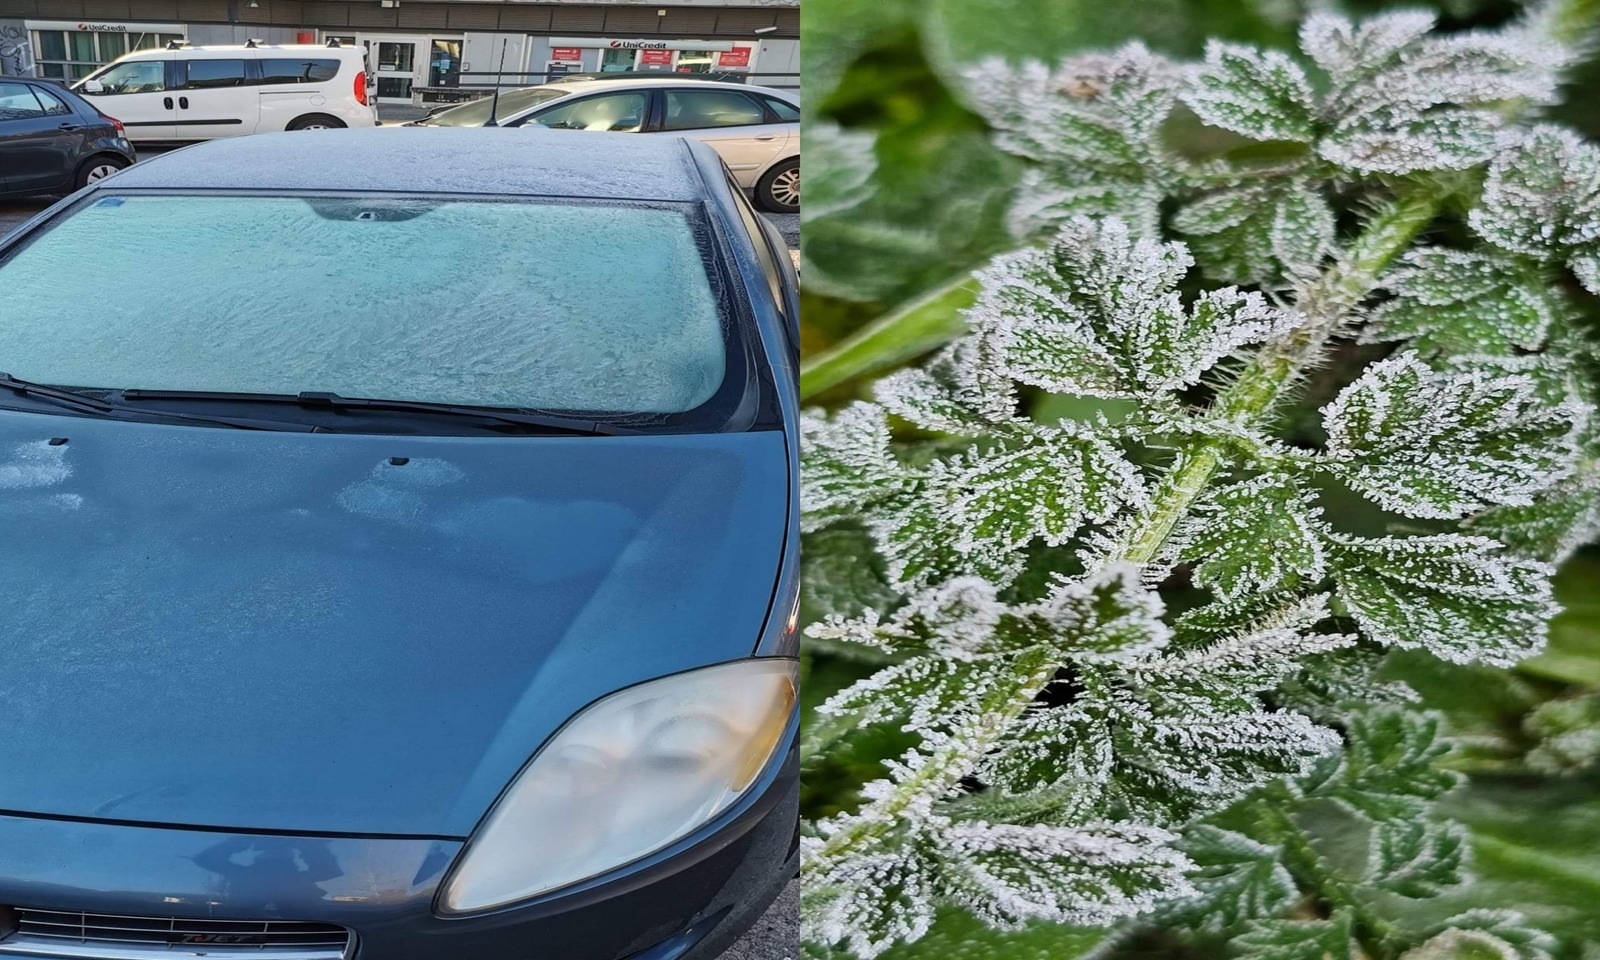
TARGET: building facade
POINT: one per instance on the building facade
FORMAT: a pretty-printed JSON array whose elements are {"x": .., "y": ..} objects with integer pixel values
[{"x": 424, "y": 52}]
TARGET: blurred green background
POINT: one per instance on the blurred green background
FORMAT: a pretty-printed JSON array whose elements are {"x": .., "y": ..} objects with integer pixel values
[{"x": 906, "y": 196}]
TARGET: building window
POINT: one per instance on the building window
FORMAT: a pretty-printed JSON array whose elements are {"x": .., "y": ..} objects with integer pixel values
[
  {"x": 74, "y": 54},
  {"x": 696, "y": 61}
]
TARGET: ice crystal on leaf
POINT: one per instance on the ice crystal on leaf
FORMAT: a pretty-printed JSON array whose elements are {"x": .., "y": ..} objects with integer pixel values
[
  {"x": 1436, "y": 444},
  {"x": 1073, "y": 753},
  {"x": 1092, "y": 127},
  {"x": 1097, "y": 313}
]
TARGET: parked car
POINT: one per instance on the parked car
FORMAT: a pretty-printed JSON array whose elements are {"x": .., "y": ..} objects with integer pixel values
[
  {"x": 182, "y": 93},
  {"x": 404, "y": 556},
  {"x": 726, "y": 76},
  {"x": 755, "y": 129},
  {"x": 52, "y": 141}
]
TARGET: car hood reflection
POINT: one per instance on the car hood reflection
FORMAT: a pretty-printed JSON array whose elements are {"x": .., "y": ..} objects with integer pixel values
[{"x": 354, "y": 634}]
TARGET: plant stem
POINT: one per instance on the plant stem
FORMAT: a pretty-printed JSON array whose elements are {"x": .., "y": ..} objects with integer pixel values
[
  {"x": 944, "y": 768},
  {"x": 1326, "y": 302}
]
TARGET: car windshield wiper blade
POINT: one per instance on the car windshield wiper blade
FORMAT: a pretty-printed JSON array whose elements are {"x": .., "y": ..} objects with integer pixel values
[
  {"x": 547, "y": 422},
  {"x": 106, "y": 408}
]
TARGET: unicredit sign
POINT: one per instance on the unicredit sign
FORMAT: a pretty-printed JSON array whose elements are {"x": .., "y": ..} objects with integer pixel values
[{"x": 592, "y": 43}]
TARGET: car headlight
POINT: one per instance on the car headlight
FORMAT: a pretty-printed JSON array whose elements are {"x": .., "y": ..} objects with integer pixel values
[{"x": 626, "y": 777}]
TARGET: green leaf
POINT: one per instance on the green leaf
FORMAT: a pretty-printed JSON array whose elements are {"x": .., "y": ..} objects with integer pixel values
[
  {"x": 847, "y": 465},
  {"x": 976, "y": 511},
  {"x": 1090, "y": 126},
  {"x": 1456, "y": 597},
  {"x": 923, "y": 691},
  {"x": 1566, "y": 733},
  {"x": 1390, "y": 768},
  {"x": 841, "y": 573},
  {"x": 1260, "y": 94},
  {"x": 832, "y": 911},
  {"x": 1097, "y": 313},
  {"x": 1265, "y": 233},
  {"x": 1416, "y": 858},
  {"x": 838, "y": 166},
  {"x": 1007, "y": 874},
  {"x": 1295, "y": 939},
  {"x": 958, "y": 935},
  {"x": 1542, "y": 198},
  {"x": 914, "y": 327},
  {"x": 1555, "y": 525},
  {"x": 1238, "y": 879},
  {"x": 1441, "y": 444},
  {"x": 1256, "y": 536},
  {"x": 1465, "y": 302}
]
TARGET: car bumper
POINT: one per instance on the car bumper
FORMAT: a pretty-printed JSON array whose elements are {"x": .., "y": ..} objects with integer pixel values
[{"x": 688, "y": 902}]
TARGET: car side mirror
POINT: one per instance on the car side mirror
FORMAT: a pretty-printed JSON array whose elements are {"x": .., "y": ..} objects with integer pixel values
[{"x": 92, "y": 87}]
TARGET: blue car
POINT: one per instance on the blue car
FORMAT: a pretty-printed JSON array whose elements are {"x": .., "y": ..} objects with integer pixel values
[{"x": 400, "y": 554}]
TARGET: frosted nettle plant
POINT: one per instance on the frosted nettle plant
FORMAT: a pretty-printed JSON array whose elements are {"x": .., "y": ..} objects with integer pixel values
[{"x": 1075, "y": 737}]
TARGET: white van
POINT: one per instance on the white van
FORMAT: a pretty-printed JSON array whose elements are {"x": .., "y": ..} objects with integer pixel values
[{"x": 198, "y": 93}]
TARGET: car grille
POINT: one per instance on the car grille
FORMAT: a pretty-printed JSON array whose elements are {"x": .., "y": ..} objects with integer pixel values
[{"x": 68, "y": 934}]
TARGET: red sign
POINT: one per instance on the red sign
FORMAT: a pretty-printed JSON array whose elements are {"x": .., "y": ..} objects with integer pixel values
[
  {"x": 737, "y": 57},
  {"x": 659, "y": 58},
  {"x": 571, "y": 54}
]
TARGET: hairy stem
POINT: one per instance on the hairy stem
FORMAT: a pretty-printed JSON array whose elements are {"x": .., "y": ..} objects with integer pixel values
[
  {"x": 1326, "y": 303},
  {"x": 945, "y": 767}
]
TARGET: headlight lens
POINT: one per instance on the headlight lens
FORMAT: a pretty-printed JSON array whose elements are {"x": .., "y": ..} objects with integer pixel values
[{"x": 627, "y": 776}]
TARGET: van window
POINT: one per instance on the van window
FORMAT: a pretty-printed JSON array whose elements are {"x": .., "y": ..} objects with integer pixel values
[
  {"x": 286, "y": 70},
  {"x": 134, "y": 76},
  {"x": 207, "y": 74}
]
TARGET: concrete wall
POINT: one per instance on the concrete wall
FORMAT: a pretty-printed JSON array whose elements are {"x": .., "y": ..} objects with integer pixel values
[
  {"x": 16, "y": 50},
  {"x": 222, "y": 34}
]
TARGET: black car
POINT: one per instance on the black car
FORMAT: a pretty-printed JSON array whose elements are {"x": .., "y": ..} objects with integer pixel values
[{"x": 53, "y": 141}]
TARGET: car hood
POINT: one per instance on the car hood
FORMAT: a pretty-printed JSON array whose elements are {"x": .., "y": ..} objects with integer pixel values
[{"x": 291, "y": 632}]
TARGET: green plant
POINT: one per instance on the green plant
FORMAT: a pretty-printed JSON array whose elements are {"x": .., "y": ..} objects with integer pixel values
[{"x": 1083, "y": 751}]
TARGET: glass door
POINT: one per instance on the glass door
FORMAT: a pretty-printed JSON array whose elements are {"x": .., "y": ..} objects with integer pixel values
[
  {"x": 444, "y": 64},
  {"x": 395, "y": 61}
]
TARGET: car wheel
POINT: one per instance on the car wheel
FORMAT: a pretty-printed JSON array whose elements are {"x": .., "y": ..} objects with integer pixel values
[
  {"x": 316, "y": 121},
  {"x": 98, "y": 168},
  {"x": 779, "y": 190}
]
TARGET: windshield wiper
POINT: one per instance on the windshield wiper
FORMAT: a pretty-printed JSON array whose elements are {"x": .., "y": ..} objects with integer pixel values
[
  {"x": 545, "y": 422},
  {"x": 106, "y": 408}
]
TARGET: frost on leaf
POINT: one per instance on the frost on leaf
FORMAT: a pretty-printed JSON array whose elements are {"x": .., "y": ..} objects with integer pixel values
[
  {"x": 974, "y": 513},
  {"x": 956, "y": 392},
  {"x": 842, "y": 163},
  {"x": 1090, "y": 126},
  {"x": 955, "y": 619},
  {"x": 1389, "y": 770},
  {"x": 1266, "y": 233},
  {"x": 1401, "y": 100},
  {"x": 847, "y": 464},
  {"x": 1457, "y": 597},
  {"x": 1109, "y": 615},
  {"x": 1236, "y": 879},
  {"x": 1009, "y": 874},
  {"x": 1097, "y": 313},
  {"x": 1441, "y": 444},
  {"x": 1465, "y": 302},
  {"x": 1296, "y": 939},
  {"x": 1416, "y": 858},
  {"x": 868, "y": 902},
  {"x": 1261, "y": 94},
  {"x": 1542, "y": 199},
  {"x": 1255, "y": 536},
  {"x": 1554, "y": 526},
  {"x": 1485, "y": 935}
]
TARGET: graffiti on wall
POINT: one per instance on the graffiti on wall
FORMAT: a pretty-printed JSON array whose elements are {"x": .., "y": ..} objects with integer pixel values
[{"x": 16, "y": 50}]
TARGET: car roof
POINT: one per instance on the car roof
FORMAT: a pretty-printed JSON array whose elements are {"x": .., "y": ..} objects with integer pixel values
[
  {"x": 409, "y": 160},
  {"x": 665, "y": 80}
]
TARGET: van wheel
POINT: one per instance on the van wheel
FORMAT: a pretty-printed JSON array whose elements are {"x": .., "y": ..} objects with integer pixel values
[
  {"x": 779, "y": 190},
  {"x": 316, "y": 121},
  {"x": 98, "y": 168}
]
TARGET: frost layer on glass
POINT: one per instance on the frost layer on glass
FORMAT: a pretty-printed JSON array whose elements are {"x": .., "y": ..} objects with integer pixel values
[{"x": 545, "y": 305}]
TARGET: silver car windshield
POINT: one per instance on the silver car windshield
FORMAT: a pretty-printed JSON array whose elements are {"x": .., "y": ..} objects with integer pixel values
[{"x": 547, "y": 305}]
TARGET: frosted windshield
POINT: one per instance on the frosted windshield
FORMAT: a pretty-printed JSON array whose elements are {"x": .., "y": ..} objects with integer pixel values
[{"x": 555, "y": 306}]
